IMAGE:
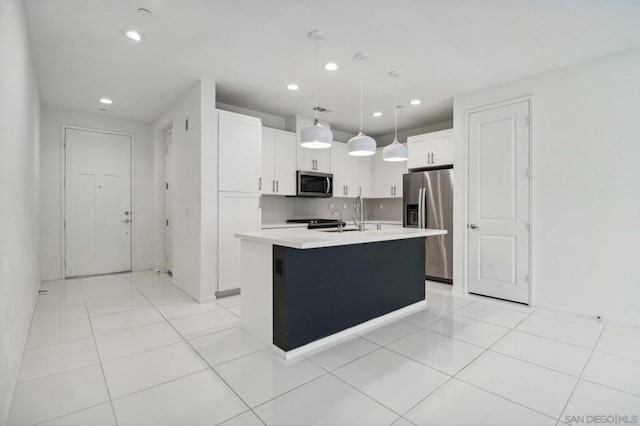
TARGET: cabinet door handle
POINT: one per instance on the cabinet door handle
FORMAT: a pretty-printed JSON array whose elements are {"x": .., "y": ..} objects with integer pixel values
[
  {"x": 260, "y": 184},
  {"x": 391, "y": 189},
  {"x": 273, "y": 186},
  {"x": 277, "y": 186}
]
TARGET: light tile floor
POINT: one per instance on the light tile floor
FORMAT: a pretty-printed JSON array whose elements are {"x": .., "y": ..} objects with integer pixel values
[{"x": 132, "y": 349}]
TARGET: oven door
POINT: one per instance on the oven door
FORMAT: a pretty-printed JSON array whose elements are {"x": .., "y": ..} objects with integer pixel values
[{"x": 311, "y": 184}]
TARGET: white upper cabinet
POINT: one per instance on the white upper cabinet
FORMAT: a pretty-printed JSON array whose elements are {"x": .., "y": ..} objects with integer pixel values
[
  {"x": 345, "y": 177},
  {"x": 431, "y": 149},
  {"x": 278, "y": 162},
  {"x": 308, "y": 159},
  {"x": 364, "y": 167},
  {"x": 316, "y": 160},
  {"x": 352, "y": 176},
  {"x": 388, "y": 177},
  {"x": 239, "y": 139}
]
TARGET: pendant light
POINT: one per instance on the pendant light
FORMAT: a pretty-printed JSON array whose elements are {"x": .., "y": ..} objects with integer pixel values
[
  {"x": 395, "y": 151},
  {"x": 361, "y": 145},
  {"x": 316, "y": 136}
]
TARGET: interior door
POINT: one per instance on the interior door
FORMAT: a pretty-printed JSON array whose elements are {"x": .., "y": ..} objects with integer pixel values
[
  {"x": 499, "y": 202},
  {"x": 168, "y": 231},
  {"x": 98, "y": 214}
]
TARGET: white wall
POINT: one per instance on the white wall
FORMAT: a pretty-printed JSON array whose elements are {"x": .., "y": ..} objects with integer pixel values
[
  {"x": 195, "y": 190},
  {"x": 52, "y": 173},
  {"x": 586, "y": 148},
  {"x": 19, "y": 121}
]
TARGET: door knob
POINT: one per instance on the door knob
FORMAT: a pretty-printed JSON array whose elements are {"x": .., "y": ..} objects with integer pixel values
[{"x": 472, "y": 226}]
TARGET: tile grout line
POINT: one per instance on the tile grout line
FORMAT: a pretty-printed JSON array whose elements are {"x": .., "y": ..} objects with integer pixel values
[
  {"x": 485, "y": 350},
  {"x": 501, "y": 396},
  {"x": 581, "y": 373},
  {"x": 205, "y": 362},
  {"x": 331, "y": 372},
  {"x": 104, "y": 376}
]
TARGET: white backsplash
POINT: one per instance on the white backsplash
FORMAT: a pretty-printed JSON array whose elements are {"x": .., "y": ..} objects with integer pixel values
[{"x": 277, "y": 209}]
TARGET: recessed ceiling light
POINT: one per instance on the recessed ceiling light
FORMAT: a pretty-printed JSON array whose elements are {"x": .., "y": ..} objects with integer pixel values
[
  {"x": 292, "y": 86},
  {"x": 330, "y": 66},
  {"x": 106, "y": 101},
  {"x": 133, "y": 35},
  {"x": 416, "y": 102},
  {"x": 144, "y": 12},
  {"x": 377, "y": 114}
]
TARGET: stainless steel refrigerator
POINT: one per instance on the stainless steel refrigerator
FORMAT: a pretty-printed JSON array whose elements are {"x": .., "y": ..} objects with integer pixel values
[{"x": 428, "y": 203}]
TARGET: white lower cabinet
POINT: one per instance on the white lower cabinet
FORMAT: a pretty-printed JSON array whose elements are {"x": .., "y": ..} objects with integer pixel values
[
  {"x": 237, "y": 212},
  {"x": 388, "y": 177},
  {"x": 430, "y": 149}
]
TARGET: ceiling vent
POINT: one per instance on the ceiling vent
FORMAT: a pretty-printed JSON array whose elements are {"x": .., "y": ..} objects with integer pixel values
[{"x": 321, "y": 109}]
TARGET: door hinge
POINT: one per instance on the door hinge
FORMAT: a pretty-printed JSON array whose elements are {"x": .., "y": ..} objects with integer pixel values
[
  {"x": 526, "y": 278},
  {"x": 65, "y": 224},
  {"x": 527, "y": 173},
  {"x": 528, "y": 225},
  {"x": 65, "y": 183},
  {"x": 166, "y": 149},
  {"x": 528, "y": 120}
]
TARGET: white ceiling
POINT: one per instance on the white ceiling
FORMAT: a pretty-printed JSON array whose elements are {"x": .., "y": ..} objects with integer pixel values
[{"x": 254, "y": 48}]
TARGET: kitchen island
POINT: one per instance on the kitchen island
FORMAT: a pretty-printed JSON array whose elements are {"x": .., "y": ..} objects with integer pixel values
[{"x": 303, "y": 289}]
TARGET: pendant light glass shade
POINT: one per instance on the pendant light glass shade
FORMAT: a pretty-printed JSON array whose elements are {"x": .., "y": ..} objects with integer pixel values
[
  {"x": 316, "y": 136},
  {"x": 361, "y": 145},
  {"x": 395, "y": 152}
]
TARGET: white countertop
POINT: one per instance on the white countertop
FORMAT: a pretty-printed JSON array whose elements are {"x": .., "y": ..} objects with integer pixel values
[{"x": 313, "y": 238}]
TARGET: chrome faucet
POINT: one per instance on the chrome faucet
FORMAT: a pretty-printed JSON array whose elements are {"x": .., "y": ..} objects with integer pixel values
[
  {"x": 358, "y": 207},
  {"x": 340, "y": 225}
]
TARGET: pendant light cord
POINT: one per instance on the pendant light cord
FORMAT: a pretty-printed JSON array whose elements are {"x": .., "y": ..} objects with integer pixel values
[
  {"x": 395, "y": 110},
  {"x": 316, "y": 79},
  {"x": 361, "y": 95}
]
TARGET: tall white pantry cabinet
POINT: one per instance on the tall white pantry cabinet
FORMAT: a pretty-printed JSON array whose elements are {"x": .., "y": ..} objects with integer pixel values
[{"x": 239, "y": 190}]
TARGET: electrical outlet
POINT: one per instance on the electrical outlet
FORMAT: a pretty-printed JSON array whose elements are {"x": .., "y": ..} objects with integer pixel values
[
  {"x": 344, "y": 206},
  {"x": 381, "y": 206},
  {"x": 330, "y": 206}
]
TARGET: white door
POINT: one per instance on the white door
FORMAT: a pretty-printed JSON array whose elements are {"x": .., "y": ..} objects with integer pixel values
[
  {"x": 238, "y": 212},
  {"x": 168, "y": 229},
  {"x": 98, "y": 202},
  {"x": 499, "y": 202}
]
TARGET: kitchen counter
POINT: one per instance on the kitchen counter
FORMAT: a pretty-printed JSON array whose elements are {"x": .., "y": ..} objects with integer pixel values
[
  {"x": 316, "y": 238},
  {"x": 303, "y": 289}
]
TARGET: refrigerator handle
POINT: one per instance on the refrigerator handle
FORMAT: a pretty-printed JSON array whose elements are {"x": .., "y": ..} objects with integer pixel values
[
  {"x": 423, "y": 200},
  {"x": 420, "y": 208}
]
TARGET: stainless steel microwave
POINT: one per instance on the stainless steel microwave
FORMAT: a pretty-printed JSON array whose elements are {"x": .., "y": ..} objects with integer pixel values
[{"x": 313, "y": 184}]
